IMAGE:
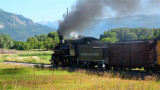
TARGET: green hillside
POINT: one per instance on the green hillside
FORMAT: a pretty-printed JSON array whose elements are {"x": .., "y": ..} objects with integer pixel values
[{"x": 19, "y": 27}]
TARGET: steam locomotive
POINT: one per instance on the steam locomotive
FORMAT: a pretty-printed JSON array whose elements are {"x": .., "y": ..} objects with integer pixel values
[{"x": 89, "y": 52}]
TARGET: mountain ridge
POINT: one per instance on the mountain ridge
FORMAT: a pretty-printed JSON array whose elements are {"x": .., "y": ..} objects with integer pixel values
[
  {"x": 20, "y": 27},
  {"x": 143, "y": 21}
]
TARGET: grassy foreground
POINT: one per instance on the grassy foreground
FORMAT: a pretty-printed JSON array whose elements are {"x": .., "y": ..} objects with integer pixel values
[
  {"x": 28, "y": 56},
  {"x": 14, "y": 77}
]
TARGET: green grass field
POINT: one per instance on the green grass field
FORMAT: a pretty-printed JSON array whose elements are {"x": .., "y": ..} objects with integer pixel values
[
  {"x": 14, "y": 77},
  {"x": 28, "y": 56}
]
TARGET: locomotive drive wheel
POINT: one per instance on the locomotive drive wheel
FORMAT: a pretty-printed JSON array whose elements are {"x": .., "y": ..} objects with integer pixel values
[
  {"x": 115, "y": 68},
  {"x": 154, "y": 70},
  {"x": 108, "y": 68},
  {"x": 147, "y": 69}
]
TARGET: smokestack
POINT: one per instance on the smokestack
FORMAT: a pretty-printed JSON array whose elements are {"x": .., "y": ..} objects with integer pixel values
[{"x": 61, "y": 39}]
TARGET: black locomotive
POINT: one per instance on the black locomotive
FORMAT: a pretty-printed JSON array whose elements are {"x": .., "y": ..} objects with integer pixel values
[{"x": 89, "y": 52}]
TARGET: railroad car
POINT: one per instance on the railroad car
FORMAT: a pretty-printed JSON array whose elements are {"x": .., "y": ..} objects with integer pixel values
[{"x": 135, "y": 54}]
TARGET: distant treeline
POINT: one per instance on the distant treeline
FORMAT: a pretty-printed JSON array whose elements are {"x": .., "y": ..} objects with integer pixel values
[
  {"x": 125, "y": 34},
  {"x": 51, "y": 39},
  {"x": 38, "y": 42}
]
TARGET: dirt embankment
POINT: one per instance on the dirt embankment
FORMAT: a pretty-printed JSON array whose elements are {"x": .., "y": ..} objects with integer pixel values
[{"x": 4, "y": 51}]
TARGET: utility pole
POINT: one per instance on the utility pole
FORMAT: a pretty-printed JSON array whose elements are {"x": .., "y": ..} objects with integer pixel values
[
  {"x": 67, "y": 11},
  {"x": 66, "y": 15}
]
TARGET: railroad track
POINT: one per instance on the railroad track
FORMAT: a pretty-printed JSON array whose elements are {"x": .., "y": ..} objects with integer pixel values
[
  {"x": 27, "y": 64},
  {"x": 99, "y": 71}
]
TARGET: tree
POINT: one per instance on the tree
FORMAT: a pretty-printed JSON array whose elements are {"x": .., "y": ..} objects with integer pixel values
[
  {"x": 130, "y": 36},
  {"x": 108, "y": 34},
  {"x": 33, "y": 41},
  {"x": 41, "y": 45},
  {"x": 49, "y": 43},
  {"x": 123, "y": 34},
  {"x": 109, "y": 40},
  {"x": 6, "y": 41},
  {"x": 42, "y": 37},
  {"x": 109, "y": 37},
  {"x": 21, "y": 45},
  {"x": 145, "y": 33},
  {"x": 53, "y": 35}
]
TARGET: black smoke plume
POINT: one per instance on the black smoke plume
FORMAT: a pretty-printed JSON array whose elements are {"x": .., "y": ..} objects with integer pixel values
[{"x": 85, "y": 12}]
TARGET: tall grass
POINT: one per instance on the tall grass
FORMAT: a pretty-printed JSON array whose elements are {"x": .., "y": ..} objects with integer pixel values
[
  {"x": 5, "y": 51},
  {"x": 28, "y": 56},
  {"x": 35, "y": 53},
  {"x": 15, "y": 77},
  {"x": 18, "y": 78}
]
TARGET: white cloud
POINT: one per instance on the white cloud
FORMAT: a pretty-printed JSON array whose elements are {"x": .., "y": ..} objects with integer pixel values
[{"x": 1, "y": 26}]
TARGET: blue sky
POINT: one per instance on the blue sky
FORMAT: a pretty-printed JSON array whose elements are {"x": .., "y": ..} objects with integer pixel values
[
  {"x": 47, "y": 10},
  {"x": 37, "y": 10}
]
